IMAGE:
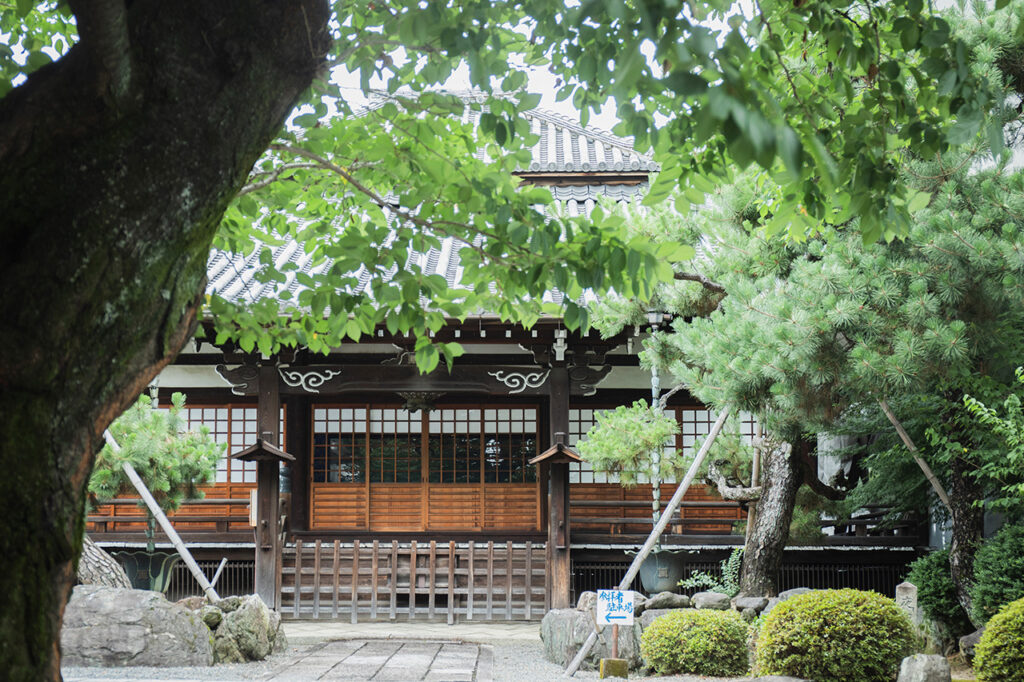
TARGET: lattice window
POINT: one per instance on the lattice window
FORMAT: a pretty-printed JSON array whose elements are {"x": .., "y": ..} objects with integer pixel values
[
  {"x": 395, "y": 444},
  {"x": 510, "y": 441},
  {"x": 235, "y": 426},
  {"x": 454, "y": 446},
  {"x": 392, "y": 445},
  {"x": 339, "y": 445}
]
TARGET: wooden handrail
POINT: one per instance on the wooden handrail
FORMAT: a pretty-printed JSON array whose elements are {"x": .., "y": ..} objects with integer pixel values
[
  {"x": 630, "y": 520},
  {"x": 647, "y": 503},
  {"x": 223, "y": 501}
]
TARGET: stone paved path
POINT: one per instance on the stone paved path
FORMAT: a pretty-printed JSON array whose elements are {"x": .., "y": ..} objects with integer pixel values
[{"x": 394, "y": 660}]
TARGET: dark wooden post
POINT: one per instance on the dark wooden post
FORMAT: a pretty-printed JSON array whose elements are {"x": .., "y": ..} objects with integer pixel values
[
  {"x": 298, "y": 409},
  {"x": 268, "y": 417},
  {"x": 557, "y": 554}
]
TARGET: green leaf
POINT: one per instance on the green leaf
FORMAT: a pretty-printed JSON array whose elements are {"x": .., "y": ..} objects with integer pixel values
[{"x": 918, "y": 201}]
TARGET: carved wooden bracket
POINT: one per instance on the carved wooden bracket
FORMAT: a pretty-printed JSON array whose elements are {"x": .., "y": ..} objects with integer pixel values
[{"x": 484, "y": 379}]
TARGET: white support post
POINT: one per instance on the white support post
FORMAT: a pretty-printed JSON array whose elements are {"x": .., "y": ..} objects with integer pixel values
[
  {"x": 656, "y": 532},
  {"x": 165, "y": 524}
]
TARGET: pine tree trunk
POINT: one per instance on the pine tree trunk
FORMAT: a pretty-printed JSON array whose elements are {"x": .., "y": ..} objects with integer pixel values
[
  {"x": 968, "y": 528},
  {"x": 96, "y": 567},
  {"x": 762, "y": 554},
  {"x": 108, "y": 205}
]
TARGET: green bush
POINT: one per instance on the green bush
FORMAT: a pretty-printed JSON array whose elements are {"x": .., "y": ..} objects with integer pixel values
[
  {"x": 998, "y": 572},
  {"x": 936, "y": 595},
  {"x": 697, "y": 642},
  {"x": 999, "y": 655},
  {"x": 835, "y": 636}
]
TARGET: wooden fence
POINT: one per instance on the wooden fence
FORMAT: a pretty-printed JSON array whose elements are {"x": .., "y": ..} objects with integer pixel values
[{"x": 410, "y": 580}]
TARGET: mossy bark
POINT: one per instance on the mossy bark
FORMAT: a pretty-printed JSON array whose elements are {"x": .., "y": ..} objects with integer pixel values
[
  {"x": 968, "y": 525},
  {"x": 762, "y": 555},
  {"x": 108, "y": 205}
]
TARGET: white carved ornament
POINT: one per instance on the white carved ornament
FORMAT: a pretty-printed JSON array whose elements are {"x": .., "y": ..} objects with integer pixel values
[
  {"x": 517, "y": 382},
  {"x": 308, "y": 380}
]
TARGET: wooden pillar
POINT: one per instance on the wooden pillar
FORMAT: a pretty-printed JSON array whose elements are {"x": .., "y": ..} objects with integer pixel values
[
  {"x": 299, "y": 447},
  {"x": 557, "y": 554},
  {"x": 268, "y": 418}
]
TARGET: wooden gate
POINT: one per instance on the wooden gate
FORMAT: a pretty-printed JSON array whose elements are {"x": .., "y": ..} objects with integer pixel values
[{"x": 414, "y": 580}]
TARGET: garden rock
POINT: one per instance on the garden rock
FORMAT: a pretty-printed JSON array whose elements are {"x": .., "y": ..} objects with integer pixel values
[
  {"x": 968, "y": 642},
  {"x": 587, "y": 601},
  {"x": 640, "y": 603},
  {"x": 755, "y": 603},
  {"x": 650, "y": 614},
  {"x": 563, "y": 632},
  {"x": 109, "y": 626},
  {"x": 748, "y": 615},
  {"x": 668, "y": 600},
  {"x": 786, "y": 594},
  {"x": 924, "y": 668},
  {"x": 711, "y": 600},
  {"x": 244, "y": 629}
]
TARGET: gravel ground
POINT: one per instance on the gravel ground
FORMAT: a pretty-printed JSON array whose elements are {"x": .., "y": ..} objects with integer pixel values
[
  {"x": 525, "y": 662},
  {"x": 514, "y": 661}
]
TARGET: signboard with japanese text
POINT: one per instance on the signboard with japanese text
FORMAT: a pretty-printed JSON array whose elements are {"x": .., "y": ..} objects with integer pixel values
[{"x": 614, "y": 607}]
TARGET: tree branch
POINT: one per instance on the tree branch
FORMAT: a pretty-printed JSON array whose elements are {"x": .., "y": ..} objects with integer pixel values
[
  {"x": 702, "y": 280},
  {"x": 731, "y": 492},
  {"x": 103, "y": 27}
]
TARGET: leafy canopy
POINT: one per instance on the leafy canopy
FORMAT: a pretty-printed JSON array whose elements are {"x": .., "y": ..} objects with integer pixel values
[{"x": 821, "y": 95}]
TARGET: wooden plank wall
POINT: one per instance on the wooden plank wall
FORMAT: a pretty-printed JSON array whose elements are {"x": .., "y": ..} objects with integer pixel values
[
  {"x": 639, "y": 498},
  {"x": 222, "y": 518},
  {"x": 426, "y": 580}
]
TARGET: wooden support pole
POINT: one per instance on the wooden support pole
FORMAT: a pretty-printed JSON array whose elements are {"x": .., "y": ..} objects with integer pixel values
[
  {"x": 165, "y": 524},
  {"x": 905, "y": 437},
  {"x": 656, "y": 532}
]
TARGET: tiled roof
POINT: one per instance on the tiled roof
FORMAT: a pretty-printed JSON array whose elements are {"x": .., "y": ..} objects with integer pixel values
[
  {"x": 564, "y": 148},
  {"x": 567, "y": 147}
]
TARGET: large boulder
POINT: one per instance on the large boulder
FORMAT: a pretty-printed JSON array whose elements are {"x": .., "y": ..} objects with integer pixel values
[
  {"x": 711, "y": 600},
  {"x": 924, "y": 668},
  {"x": 783, "y": 596},
  {"x": 668, "y": 600},
  {"x": 111, "y": 626},
  {"x": 244, "y": 629},
  {"x": 755, "y": 603},
  {"x": 563, "y": 632},
  {"x": 968, "y": 642}
]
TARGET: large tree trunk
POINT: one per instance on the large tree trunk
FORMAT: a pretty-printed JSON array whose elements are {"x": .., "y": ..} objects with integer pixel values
[
  {"x": 116, "y": 164},
  {"x": 968, "y": 528},
  {"x": 781, "y": 477}
]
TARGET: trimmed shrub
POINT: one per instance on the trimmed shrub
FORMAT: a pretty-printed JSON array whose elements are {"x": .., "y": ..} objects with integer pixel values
[
  {"x": 998, "y": 572},
  {"x": 697, "y": 642},
  {"x": 936, "y": 595},
  {"x": 835, "y": 636},
  {"x": 999, "y": 656}
]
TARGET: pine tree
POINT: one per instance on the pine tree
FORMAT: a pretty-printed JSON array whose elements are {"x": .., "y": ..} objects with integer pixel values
[{"x": 171, "y": 460}]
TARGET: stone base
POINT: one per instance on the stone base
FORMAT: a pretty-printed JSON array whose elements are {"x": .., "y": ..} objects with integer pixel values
[{"x": 613, "y": 667}]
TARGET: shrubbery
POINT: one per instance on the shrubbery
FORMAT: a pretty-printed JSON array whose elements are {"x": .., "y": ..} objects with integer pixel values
[
  {"x": 936, "y": 594},
  {"x": 998, "y": 572},
  {"x": 835, "y": 636},
  {"x": 696, "y": 641},
  {"x": 999, "y": 655}
]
